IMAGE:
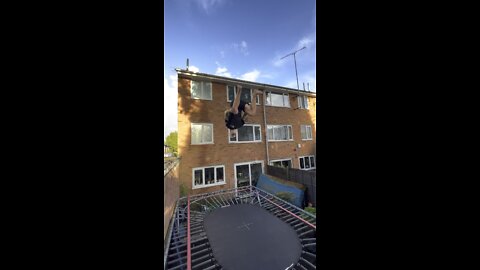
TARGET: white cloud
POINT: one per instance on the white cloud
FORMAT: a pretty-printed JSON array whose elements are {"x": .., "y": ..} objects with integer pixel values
[
  {"x": 223, "y": 71},
  {"x": 170, "y": 95},
  {"x": 222, "y": 53},
  {"x": 194, "y": 69},
  {"x": 242, "y": 47},
  {"x": 251, "y": 76},
  {"x": 306, "y": 41},
  {"x": 209, "y": 5}
]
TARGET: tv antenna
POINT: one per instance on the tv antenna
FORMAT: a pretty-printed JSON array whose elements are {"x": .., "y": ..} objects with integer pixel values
[{"x": 295, "y": 59}]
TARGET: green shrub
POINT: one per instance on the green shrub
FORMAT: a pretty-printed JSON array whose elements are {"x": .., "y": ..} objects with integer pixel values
[
  {"x": 311, "y": 210},
  {"x": 287, "y": 196}
]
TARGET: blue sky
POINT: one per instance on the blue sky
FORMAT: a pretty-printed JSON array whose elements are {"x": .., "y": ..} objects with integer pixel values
[{"x": 242, "y": 39}]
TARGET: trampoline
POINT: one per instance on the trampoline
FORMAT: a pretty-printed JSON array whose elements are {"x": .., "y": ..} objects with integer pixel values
[{"x": 243, "y": 228}]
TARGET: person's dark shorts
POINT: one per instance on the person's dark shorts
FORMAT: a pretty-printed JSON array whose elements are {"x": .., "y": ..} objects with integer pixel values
[{"x": 234, "y": 121}]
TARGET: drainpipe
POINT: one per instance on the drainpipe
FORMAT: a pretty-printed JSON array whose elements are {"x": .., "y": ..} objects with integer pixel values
[{"x": 265, "y": 122}]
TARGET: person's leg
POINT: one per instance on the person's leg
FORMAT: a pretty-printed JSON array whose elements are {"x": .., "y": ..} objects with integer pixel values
[
  {"x": 252, "y": 109},
  {"x": 236, "y": 101}
]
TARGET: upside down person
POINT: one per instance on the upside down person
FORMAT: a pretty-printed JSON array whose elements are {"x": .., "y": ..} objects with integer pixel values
[{"x": 240, "y": 109}]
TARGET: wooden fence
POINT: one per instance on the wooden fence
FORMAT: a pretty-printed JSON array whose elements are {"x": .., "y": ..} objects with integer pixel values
[
  {"x": 171, "y": 191},
  {"x": 306, "y": 178}
]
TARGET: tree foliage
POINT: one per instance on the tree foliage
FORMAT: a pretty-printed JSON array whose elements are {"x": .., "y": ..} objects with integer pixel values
[{"x": 172, "y": 141}]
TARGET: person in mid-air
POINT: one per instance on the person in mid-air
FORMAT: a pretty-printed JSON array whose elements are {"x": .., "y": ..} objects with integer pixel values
[{"x": 234, "y": 117}]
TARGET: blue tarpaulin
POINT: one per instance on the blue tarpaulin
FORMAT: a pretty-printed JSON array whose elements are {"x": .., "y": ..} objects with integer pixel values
[{"x": 274, "y": 187}]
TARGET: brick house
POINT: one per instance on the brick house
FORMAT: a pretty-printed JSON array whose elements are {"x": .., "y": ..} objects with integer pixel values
[{"x": 282, "y": 133}]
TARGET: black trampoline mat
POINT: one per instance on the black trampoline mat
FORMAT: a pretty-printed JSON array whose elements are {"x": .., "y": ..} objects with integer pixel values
[{"x": 248, "y": 237}]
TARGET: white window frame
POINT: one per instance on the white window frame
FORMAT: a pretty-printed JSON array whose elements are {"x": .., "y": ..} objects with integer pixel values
[
  {"x": 249, "y": 169},
  {"x": 255, "y": 141},
  {"x": 203, "y": 124},
  {"x": 203, "y": 176},
  {"x": 308, "y": 161},
  {"x": 203, "y": 83},
  {"x": 273, "y": 140},
  {"x": 284, "y": 159},
  {"x": 311, "y": 132},
  {"x": 300, "y": 102},
  {"x": 235, "y": 94},
  {"x": 277, "y": 93}
]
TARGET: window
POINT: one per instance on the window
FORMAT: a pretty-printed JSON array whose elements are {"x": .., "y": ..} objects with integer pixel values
[
  {"x": 275, "y": 99},
  {"x": 246, "y": 94},
  {"x": 202, "y": 133},
  {"x": 201, "y": 90},
  {"x": 306, "y": 132},
  {"x": 247, "y": 133},
  {"x": 208, "y": 176},
  {"x": 248, "y": 173},
  {"x": 307, "y": 162},
  {"x": 284, "y": 163},
  {"x": 302, "y": 102},
  {"x": 279, "y": 133}
]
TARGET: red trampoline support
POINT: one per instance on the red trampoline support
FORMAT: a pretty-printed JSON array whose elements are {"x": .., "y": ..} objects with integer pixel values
[
  {"x": 308, "y": 223},
  {"x": 189, "y": 249}
]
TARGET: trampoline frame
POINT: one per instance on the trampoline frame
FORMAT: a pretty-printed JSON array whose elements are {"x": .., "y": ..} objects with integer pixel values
[{"x": 187, "y": 246}]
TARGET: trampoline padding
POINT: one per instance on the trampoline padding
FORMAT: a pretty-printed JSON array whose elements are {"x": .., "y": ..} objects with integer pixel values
[{"x": 247, "y": 237}]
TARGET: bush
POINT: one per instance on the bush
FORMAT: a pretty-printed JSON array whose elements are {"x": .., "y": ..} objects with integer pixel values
[
  {"x": 311, "y": 210},
  {"x": 183, "y": 190}
]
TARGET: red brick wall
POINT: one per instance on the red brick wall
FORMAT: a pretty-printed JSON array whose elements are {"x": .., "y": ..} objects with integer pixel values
[{"x": 224, "y": 153}]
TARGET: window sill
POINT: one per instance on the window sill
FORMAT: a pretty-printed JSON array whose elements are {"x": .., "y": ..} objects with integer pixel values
[
  {"x": 309, "y": 169},
  {"x": 211, "y": 185},
  {"x": 201, "y": 99},
  {"x": 200, "y": 143},
  {"x": 288, "y": 107},
  {"x": 281, "y": 140},
  {"x": 307, "y": 139},
  {"x": 245, "y": 142}
]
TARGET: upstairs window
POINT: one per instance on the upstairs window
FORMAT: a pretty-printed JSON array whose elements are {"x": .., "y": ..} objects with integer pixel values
[
  {"x": 201, "y": 90},
  {"x": 307, "y": 162},
  {"x": 277, "y": 100},
  {"x": 202, "y": 133},
  {"x": 246, "y": 94},
  {"x": 306, "y": 132},
  {"x": 279, "y": 133},
  {"x": 247, "y": 133},
  {"x": 302, "y": 102}
]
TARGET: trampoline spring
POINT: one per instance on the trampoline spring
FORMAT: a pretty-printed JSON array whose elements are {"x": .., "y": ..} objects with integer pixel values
[
  {"x": 210, "y": 267},
  {"x": 178, "y": 260},
  {"x": 302, "y": 228},
  {"x": 308, "y": 239},
  {"x": 175, "y": 254},
  {"x": 301, "y": 266},
  {"x": 310, "y": 254},
  {"x": 178, "y": 266},
  {"x": 201, "y": 258},
  {"x": 297, "y": 225},
  {"x": 308, "y": 263},
  {"x": 203, "y": 263},
  {"x": 304, "y": 233},
  {"x": 200, "y": 252},
  {"x": 199, "y": 246}
]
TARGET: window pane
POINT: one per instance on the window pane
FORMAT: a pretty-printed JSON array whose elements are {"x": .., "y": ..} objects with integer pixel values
[
  {"x": 243, "y": 176},
  {"x": 286, "y": 101},
  {"x": 231, "y": 93},
  {"x": 312, "y": 162},
  {"x": 245, "y": 134},
  {"x": 258, "y": 99},
  {"x": 302, "y": 166},
  {"x": 268, "y": 98},
  {"x": 277, "y": 164},
  {"x": 280, "y": 133},
  {"x": 257, "y": 134},
  {"x": 256, "y": 172},
  {"x": 209, "y": 176},
  {"x": 290, "y": 135},
  {"x": 270, "y": 132},
  {"x": 277, "y": 100},
  {"x": 207, "y": 90},
  {"x": 309, "y": 132},
  {"x": 307, "y": 163},
  {"x": 302, "y": 130},
  {"x": 207, "y": 134},
  {"x": 220, "y": 175},
  {"x": 196, "y": 133},
  {"x": 196, "y": 89},
  {"x": 306, "y": 102},
  {"x": 246, "y": 95},
  {"x": 198, "y": 177}
]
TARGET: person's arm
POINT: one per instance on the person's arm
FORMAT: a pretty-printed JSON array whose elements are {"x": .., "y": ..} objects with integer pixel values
[{"x": 236, "y": 101}]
